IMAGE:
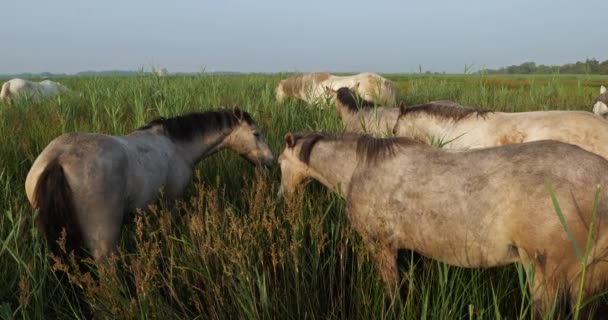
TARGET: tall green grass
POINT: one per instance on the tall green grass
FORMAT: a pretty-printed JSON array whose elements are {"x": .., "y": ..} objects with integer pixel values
[{"x": 235, "y": 250}]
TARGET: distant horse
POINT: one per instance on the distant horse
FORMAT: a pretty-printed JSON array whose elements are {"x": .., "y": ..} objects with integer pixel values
[
  {"x": 310, "y": 87},
  {"x": 87, "y": 182},
  {"x": 359, "y": 115},
  {"x": 600, "y": 107},
  {"x": 457, "y": 127},
  {"x": 19, "y": 88},
  {"x": 469, "y": 208}
]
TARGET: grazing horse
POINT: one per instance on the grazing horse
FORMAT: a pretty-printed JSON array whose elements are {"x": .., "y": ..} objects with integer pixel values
[
  {"x": 458, "y": 127},
  {"x": 310, "y": 87},
  {"x": 600, "y": 107},
  {"x": 359, "y": 115},
  {"x": 469, "y": 208},
  {"x": 86, "y": 182},
  {"x": 19, "y": 88}
]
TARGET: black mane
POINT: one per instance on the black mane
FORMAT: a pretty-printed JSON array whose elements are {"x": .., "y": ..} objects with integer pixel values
[
  {"x": 445, "y": 109},
  {"x": 352, "y": 101},
  {"x": 186, "y": 127}
]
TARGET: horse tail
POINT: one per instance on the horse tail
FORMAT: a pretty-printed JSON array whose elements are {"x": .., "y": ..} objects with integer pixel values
[
  {"x": 5, "y": 93},
  {"x": 54, "y": 199}
]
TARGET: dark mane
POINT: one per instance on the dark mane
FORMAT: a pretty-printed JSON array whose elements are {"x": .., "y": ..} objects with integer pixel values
[
  {"x": 445, "y": 109},
  {"x": 370, "y": 149},
  {"x": 186, "y": 127},
  {"x": 352, "y": 100},
  {"x": 310, "y": 140}
]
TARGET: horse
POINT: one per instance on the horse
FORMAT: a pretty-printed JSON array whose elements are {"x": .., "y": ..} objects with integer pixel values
[
  {"x": 476, "y": 208},
  {"x": 362, "y": 116},
  {"x": 600, "y": 107},
  {"x": 19, "y": 88},
  {"x": 453, "y": 126},
  {"x": 310, "y": 87},
  {"x": 86, "y": 183}
]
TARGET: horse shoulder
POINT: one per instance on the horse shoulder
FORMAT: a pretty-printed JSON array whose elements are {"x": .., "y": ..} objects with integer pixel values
[{"x": 180, "y": 176}]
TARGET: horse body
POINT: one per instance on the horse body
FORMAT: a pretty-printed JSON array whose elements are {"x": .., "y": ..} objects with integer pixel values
[
  {"x": 310, "y": 87},
  {"x": 456, "y": 127},
  {"x": 109, "y": 176},
  {"x": 17, "y": 88},
  {"x": 475, "y": 208}
]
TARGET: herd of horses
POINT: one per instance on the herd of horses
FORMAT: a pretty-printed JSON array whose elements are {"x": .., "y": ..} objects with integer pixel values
[{"x": 502, "y": 188}]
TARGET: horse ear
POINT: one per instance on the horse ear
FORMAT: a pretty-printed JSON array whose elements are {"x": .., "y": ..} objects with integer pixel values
[
  {"x": 355, "y": 87},
  {"x": 290, "y": 141},
  {"x": 330, "y": 91},
  {"x": 238, "y": 113},
  {"x": 602, "y": 89},
  {"x": 402, "y": 108}
]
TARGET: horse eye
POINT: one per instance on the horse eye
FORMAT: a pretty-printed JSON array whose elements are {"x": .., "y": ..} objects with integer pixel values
[{"x": 256, "y": 134}]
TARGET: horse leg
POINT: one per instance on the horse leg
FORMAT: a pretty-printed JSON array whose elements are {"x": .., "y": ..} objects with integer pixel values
[
  {"x": 101, "y": 220},
  {"x": 595, "y": 282},
  {"x": 385, "y": 257},
  {"x": 543, "y": 290}
]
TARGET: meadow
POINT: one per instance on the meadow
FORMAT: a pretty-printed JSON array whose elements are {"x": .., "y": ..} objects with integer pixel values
[{"x": 236, "y": 250}]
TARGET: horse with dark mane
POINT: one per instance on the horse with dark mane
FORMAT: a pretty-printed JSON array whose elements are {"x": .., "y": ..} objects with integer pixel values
[
  {"x": 470, "y": 208},
  {"x": 85, "y": 183},
  {"x": 360, "y": 115}
]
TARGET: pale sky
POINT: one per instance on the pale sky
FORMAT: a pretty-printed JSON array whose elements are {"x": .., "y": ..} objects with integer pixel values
[{"x": 311, "y": 35}]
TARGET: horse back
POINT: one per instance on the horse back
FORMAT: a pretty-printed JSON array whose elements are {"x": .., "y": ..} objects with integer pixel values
[
  {"x": 583, "y": 129},
  {"x": 82, "y": 156}
]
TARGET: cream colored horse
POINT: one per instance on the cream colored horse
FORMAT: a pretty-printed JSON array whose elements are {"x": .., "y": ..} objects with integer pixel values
[
  {"x": 475, "y": 208},
  {"x": 310, "y": 87},
  {"x": 86, "y": 182},
  {"x": 19, "y": 88},
  {"x": 600, "y": 107},
  {"x": 359, "y": 115},
  {"x": 458, "y": 127}
]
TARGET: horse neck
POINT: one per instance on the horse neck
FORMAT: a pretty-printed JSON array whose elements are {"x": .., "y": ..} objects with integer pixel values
[
  {"x": 332, "y": 163},
  {"x": 344, "y": 112},
  {"x": 203, "y": 146}
]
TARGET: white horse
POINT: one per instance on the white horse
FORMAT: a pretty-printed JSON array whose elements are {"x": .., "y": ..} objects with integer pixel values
[
  {"x": 310, "y": 87},
  {"x": 19, "y": 88},
  {"x": 87, "y": 182},
  {"x": 600, "y": 107},
  {"x": 162, "y": 72}
]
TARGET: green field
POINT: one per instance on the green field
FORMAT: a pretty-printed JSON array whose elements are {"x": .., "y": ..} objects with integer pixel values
[{"x": 237, "y": 251}]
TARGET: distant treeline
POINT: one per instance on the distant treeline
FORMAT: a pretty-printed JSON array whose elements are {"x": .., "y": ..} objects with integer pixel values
[{"x": 589, "y": 66}]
